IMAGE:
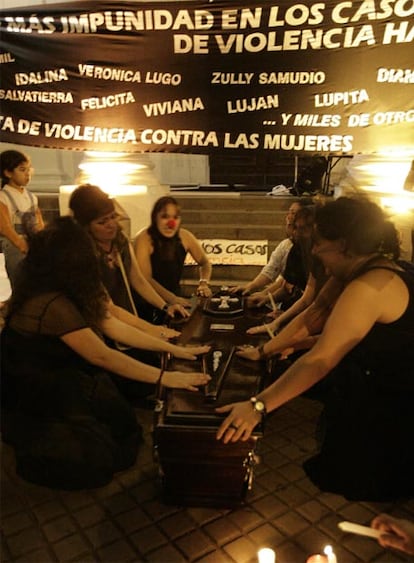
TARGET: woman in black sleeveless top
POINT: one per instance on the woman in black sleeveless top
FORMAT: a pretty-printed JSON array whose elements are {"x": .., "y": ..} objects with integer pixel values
[
  {"x": 161, "y": 250},
  {"x": 366, "y": 349}
]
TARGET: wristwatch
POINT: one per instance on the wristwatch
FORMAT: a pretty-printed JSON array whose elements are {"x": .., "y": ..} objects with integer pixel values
[{"x": 258, "y": 406}]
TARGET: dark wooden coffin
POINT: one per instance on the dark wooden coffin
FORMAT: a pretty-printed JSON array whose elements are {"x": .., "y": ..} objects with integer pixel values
[{"x": 195, "y": 468}]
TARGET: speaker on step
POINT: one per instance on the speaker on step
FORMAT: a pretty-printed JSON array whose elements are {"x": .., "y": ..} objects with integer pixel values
[{"x": 310, "y": 177}]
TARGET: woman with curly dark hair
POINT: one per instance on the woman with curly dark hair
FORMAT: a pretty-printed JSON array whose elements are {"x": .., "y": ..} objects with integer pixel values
[{"x": 61, "y": 411}]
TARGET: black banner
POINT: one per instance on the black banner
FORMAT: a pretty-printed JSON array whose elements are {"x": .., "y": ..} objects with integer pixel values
[{"x": 309, "y": 77}]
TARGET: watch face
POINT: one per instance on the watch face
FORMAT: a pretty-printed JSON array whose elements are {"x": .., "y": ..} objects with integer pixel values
[{"x": 259, "y": 406}]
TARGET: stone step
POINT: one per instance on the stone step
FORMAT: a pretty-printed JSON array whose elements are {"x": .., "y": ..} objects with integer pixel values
[
  {"x": 236, "y": 217},
  {"x": 199, "y": 202},
  {"x": 225, "y": 201},
  {"x": 229, "y": 216},
  {"x": 242, "y": 231}
]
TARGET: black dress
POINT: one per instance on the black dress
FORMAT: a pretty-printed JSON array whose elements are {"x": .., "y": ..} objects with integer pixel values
[
  {"x": 68, "y": 423},
  {"x": 167, "y": 264},
  {"x": 167, "y": 268},
  {"x": 367, "y": 451}
]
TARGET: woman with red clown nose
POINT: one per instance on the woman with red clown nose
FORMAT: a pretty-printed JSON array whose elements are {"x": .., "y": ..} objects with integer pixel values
[{"x": 161, "y": 250}]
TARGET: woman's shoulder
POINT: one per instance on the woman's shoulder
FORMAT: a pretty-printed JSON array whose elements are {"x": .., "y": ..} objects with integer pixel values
[
  {"x": 47, "y": 313},
  {"x": 49, "y": 300},
  {"x": 382, "y": 278},
  {"x": 286, "y": 243},
  {"x": 186, "y": 236},
  {"x": 142, "y": 235},
  {"x": 185, "y": 232},
  {"x": 142, "y": 241},
  {"x": 62, "y": 315},
  {"x": 48, "y": 297},
  {"x": 380, "y": 268}
]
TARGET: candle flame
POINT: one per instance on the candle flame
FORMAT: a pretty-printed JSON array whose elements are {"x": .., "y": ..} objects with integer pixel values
[{"x": 329, "y": 552}]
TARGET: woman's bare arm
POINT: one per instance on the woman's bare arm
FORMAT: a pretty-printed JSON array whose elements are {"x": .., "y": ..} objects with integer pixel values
[
  {"x": 121, "y": 332},
  {"x": 194, "y": 247},
  {"x": 90, "y": 347},
  {"x": 382, "y": 297},
  {"x": 128, "y": 318}
]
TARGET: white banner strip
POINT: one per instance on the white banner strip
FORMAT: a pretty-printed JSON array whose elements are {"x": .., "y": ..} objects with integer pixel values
[{"x": 234, "y": 252}]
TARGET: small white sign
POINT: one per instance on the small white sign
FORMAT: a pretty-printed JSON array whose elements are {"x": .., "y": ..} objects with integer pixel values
[{"x": 234, "y": 252}]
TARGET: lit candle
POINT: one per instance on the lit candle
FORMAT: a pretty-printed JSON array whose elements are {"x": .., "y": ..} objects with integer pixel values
[
  {"x": 329, "y": 552},
  {"x": 272, "y": 301},
  {"x": 266, "y": 555},
  {"x": 269, "y": 330}
]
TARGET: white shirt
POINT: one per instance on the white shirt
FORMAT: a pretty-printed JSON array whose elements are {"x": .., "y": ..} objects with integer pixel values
[{"x": 277, "y": 260}]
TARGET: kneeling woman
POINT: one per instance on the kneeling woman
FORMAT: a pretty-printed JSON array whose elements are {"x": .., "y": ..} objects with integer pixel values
[
  {"x": 61, "y": 411},
  {"x": 366, "y": 351},
  {"x": 95, "y": 211}
]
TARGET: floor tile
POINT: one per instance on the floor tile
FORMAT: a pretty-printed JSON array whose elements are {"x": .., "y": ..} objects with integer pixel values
[{"x": 128, "y": 521}]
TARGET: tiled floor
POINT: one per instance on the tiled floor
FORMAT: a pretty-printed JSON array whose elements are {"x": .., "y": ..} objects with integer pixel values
[{"x": 126, "y": 520}]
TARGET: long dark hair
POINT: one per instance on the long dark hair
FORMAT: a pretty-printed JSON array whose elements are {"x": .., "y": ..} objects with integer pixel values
[
  {"x": 164, "y": 246},
  {"x": 306, "y": 214},
  {"x": 9, "y": 160},
  {"x": 361, "y": 223},
  {"x": 61, "y": 258}
]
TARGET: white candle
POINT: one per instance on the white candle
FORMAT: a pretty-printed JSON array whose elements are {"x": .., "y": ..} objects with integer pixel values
[
  {"x": 272, "y": 301},
  {"x": 328, "y": 551},
  {"x": 358, "y": 529},
  {"x": 266, "y": 555}
]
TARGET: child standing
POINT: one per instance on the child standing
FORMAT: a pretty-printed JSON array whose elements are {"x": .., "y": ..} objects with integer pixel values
[{"x": 19, "y": 211}]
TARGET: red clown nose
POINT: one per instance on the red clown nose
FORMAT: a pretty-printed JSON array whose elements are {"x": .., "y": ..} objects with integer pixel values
[{"x": 171, "y": 223}]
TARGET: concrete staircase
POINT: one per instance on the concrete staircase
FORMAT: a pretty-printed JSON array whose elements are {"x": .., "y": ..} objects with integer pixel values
[
  {"x": 235, "y": 216},
  {"x": 219, "y": 215}
]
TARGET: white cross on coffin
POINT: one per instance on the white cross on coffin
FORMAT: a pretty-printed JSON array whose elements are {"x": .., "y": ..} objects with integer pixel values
[
  {"x": 224, "y": 301},
  {"x": 216, "y": 359}
]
